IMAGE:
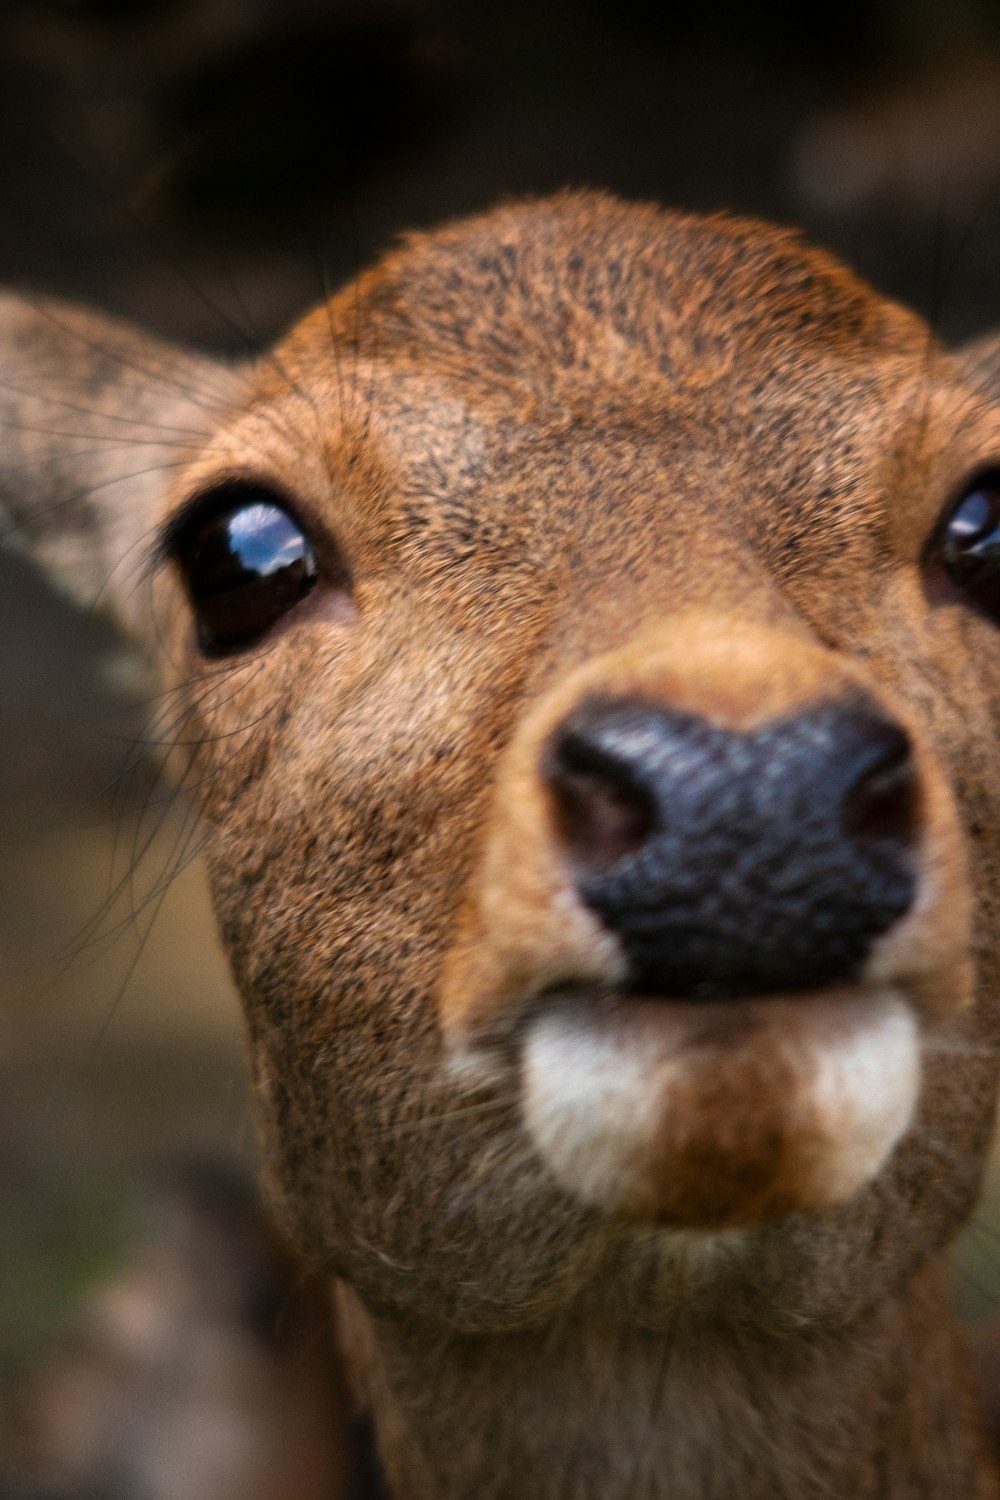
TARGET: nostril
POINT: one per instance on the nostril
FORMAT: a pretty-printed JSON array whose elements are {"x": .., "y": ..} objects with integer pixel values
[
  {"x": 765, "y": 859},
  {"x": 602, "y": 811},
  {"x": 880, "y": 808}
]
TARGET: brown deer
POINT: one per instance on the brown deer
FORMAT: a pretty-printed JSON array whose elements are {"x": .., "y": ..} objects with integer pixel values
[{"x": 584, "y": 630}]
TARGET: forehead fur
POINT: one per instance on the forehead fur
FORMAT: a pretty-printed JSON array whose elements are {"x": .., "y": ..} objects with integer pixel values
[
  {"x": 700, "y": 362},
  {"x": 586, "y": 282}
]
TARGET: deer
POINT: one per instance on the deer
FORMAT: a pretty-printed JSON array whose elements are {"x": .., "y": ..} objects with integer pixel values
[{"x": 580, "y": 637}]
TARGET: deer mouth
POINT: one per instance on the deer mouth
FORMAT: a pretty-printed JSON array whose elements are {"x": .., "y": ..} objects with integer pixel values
[
  {"x": 720, "y": 1115},
  {"x": 714, "y": 924}
]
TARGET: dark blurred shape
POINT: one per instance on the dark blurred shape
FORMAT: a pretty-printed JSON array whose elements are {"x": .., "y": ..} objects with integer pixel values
[
  {"x": 926, "y": 146},
  {"x": 828, "y": 35},
  {"x": 204, "y": 1369},
  {"x": 983, "y": 1344},
  {"x": 241, "y": 119},
  {"x": 109, "y": 10},
  {"x": 281, "y": 129}
]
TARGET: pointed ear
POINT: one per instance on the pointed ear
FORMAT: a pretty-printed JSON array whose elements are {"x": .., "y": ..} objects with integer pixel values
[
  {"x": 95, "y": 420},
  {"x": 979, "y": 362}
]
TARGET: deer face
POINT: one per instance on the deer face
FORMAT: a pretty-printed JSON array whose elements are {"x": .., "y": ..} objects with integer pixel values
[{"x": 596, "y": 753}]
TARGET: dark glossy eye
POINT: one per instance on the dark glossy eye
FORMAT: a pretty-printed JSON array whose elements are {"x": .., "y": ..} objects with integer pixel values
[
  {"x": 246, "y": 561},
  {"x": 970, "y": 544}
]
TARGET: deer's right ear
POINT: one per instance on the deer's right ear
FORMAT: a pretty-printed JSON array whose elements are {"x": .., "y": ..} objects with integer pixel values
[{"x": 95, "y": 420}]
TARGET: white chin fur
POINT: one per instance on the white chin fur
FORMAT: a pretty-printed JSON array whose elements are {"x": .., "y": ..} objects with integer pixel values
[{"x": 597, "y": 1097}]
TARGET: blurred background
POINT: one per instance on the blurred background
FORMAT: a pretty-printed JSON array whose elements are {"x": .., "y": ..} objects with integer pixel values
[{"x": 207, "y": 167}]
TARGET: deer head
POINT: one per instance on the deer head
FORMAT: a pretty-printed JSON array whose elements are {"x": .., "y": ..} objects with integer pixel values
[{"x": 585, "y": 634}]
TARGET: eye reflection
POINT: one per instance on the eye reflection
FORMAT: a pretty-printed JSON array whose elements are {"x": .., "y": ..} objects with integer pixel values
[
  {"x": 244, "y": 566},
  {"x": 970, "y": 545},
  {"x": 974, "y": 517}
]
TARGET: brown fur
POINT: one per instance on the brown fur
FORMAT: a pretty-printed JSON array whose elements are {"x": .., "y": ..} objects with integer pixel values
[{"x": 565, "y": 446}]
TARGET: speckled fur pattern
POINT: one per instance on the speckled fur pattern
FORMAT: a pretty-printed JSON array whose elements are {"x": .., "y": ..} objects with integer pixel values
[{"x": 566, "y": 447}]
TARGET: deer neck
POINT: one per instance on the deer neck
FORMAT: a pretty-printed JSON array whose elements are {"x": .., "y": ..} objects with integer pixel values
[{"x": 880, "y": 1411}]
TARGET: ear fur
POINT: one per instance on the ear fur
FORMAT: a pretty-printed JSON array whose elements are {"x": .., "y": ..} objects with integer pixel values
[
  {"x": 95, "y": 419},
  {"x": 979, "y": 362}
]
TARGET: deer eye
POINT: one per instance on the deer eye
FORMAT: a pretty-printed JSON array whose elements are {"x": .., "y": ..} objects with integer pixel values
[
  {"x": 970, "y": 544},
  {"x": 245, "y": 561}
]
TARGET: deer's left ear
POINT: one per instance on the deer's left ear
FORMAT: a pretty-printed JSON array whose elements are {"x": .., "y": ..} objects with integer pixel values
[
  {"x": 979, "y": 362},
  {"x": 96, "y": 418}
]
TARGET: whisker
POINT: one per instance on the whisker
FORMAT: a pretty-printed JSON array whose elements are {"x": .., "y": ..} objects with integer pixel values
[
  {"x": 222, "y": 406},
  {"x": 42, "y": 394},
  {"x": 141, "y": 948},
  {"x": 119, "y": 440},
  {"x": 84, "y": 494},
  {"x": 85, "y": 937}
]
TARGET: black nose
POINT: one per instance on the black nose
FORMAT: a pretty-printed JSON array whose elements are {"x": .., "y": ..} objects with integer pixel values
[{"x": 731, "y": 864}]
